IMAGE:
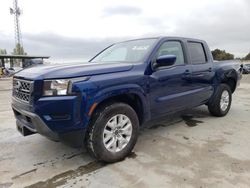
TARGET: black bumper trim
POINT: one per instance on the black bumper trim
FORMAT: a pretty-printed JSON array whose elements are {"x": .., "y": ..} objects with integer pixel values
[
  {"x": 73, "y": 138},
  {"x": 37, "y": 122}
]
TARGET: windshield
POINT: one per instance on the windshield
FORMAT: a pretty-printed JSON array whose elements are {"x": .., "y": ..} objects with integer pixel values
[{"x": 129, "y": 51}]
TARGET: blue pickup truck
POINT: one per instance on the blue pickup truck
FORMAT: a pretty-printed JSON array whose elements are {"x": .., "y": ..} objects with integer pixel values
[{"x": 102, "y": 103}]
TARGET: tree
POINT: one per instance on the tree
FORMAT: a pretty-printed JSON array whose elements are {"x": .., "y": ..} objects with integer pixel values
[
  {"x": 3, "y": 51},
  {"x": 247, "y": 56},
  {"x": 19, "y": 50},
  {"x": 221, "y": 55}
]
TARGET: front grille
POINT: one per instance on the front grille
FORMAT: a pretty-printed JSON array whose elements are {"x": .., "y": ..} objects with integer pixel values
[{"x": 22, "y": 90}]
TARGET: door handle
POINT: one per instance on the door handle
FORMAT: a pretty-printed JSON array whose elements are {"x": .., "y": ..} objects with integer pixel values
[
  {"x": 186, "y": 74},
  {"x": 209, "y": 69}
]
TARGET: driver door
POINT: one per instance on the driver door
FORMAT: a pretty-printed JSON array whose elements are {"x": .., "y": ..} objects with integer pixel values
[{"x": 170, "y": 86}]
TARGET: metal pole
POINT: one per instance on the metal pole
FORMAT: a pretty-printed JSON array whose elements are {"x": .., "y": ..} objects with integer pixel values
[
  {"x": 18, "y": 38},
  {"x": 2, "y": 63}
]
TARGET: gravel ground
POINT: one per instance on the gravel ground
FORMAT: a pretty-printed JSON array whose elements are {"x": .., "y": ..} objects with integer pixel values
[{"x": 192, "y": 149}]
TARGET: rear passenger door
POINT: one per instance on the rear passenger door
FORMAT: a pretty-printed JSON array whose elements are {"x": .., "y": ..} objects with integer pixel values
[{"x": 202, "y": 71}]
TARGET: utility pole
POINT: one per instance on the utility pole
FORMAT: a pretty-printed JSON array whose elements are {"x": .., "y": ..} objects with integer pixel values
[{"x": 18, "y": 37}]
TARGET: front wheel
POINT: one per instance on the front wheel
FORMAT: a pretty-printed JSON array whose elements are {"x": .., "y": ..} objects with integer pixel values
[
  {"x": 221, "y": 102},
  {"x": 113, "y": 132}
]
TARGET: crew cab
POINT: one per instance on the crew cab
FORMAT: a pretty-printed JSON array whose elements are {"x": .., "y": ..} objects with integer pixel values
[{"x": 104, "y": 102}]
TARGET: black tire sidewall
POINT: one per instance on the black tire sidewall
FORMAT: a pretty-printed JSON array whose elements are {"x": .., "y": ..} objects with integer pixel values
[
  {"x": 214, "y": 105},
  {"x": 97, "y": 136},
  {"x": 230, "y": 100}
]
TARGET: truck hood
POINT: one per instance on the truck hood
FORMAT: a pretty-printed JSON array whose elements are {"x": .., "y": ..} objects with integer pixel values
[{"x": 71, "y": 70}]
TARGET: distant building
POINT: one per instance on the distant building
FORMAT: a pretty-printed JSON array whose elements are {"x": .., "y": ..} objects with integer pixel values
[{"x": 21, "y": 61}]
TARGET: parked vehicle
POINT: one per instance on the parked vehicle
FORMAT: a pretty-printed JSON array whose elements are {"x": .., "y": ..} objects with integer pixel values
[
  {"x": 103, "y": 103},
  {"x": 11, "y": 71},
  {"x": 246, "y": 68},
  {"x": 6, "y": 72},
  {"x": 32, "y": 62}
]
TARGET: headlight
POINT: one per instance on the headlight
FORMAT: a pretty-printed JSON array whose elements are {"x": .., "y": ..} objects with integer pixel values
[{"x": 56, "y": 87}]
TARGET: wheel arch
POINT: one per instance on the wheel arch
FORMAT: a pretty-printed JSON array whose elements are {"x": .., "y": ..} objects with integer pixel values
[
  {"x": 229, "y": 78},
  {"x": 134, "y": 97}
]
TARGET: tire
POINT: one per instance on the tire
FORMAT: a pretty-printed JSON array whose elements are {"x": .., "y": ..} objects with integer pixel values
[
  {"x": 222, "y": 95},
  {"x": 114, "y": 149}
]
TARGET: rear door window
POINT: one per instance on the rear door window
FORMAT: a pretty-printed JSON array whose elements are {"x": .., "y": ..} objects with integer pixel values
[{"x": 197, "y": 53}]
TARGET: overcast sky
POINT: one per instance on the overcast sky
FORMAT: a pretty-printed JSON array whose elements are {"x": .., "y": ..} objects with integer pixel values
[{"x": 75, "y": 29}]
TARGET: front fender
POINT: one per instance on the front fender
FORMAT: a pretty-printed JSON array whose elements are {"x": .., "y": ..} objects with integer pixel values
[
  {"x": 118, "y": 90},
  {"x": 124, "y": 89}
]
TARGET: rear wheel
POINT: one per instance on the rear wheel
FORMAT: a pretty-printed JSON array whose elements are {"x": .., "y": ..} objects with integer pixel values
[
  {"x": 221, "y": 101},
  {"x": 113, "y": 132}
]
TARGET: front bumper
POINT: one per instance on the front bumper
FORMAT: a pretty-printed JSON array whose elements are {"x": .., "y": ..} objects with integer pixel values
[
  {"x": 30, "y": 123},
  {"x": 57, "y": 118}
]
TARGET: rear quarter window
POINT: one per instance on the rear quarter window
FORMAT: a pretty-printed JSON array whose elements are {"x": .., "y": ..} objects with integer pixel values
[{"x": 197, "y": 52}]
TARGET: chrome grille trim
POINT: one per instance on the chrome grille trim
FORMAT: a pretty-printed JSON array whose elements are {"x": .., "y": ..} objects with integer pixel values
[{"x": 22, "y": 90}]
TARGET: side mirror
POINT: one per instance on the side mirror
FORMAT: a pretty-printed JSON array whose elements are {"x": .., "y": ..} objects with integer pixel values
[{"x": 165, "y": 60}]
